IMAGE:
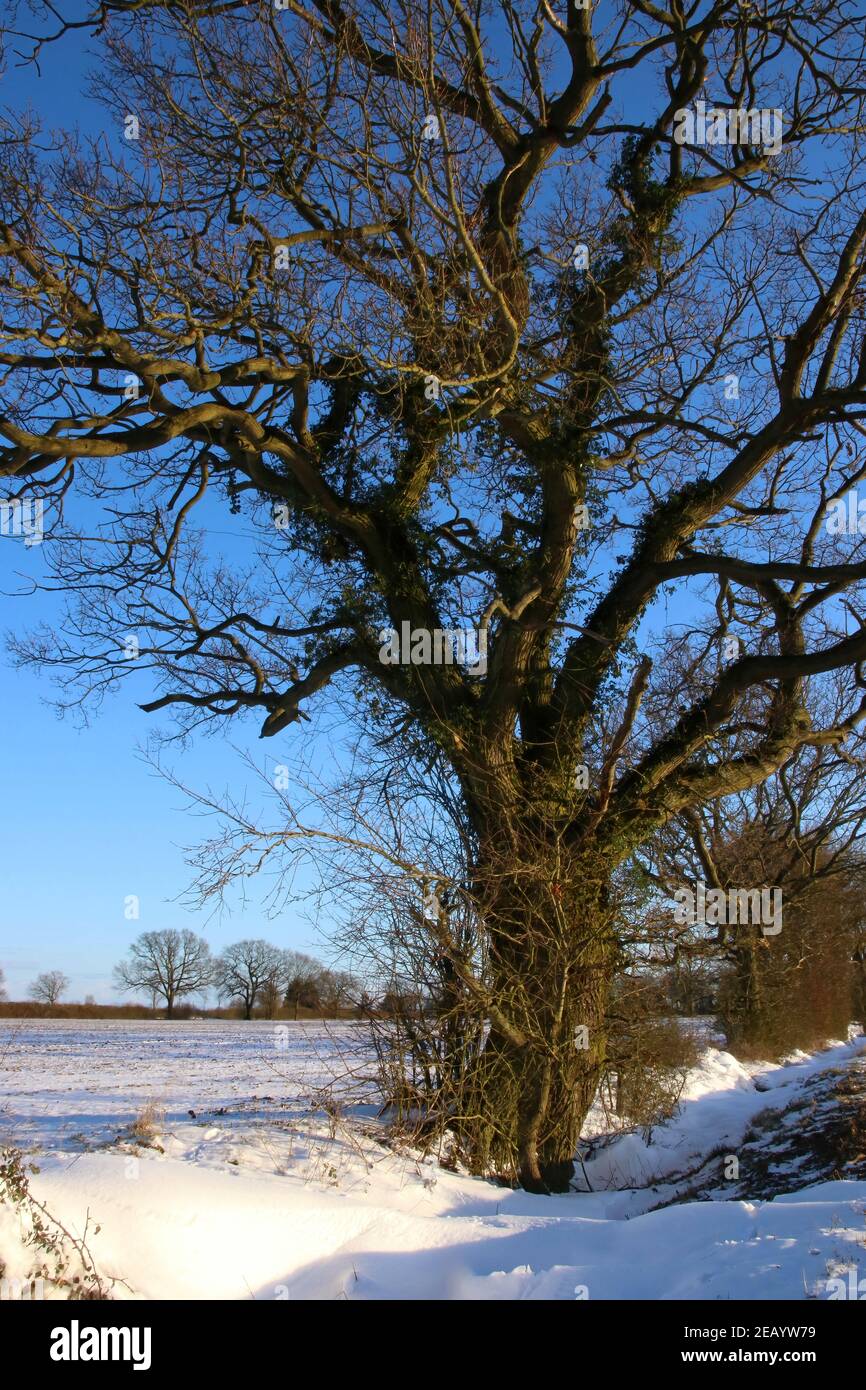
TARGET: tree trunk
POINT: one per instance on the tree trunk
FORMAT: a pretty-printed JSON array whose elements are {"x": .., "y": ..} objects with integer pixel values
[
  {"x": 745, "y": 1021},
  {"x": 552, "y": 955}
]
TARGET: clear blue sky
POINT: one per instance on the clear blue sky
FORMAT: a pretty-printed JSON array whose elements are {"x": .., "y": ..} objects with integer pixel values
[{"x": 84, "y": 822}]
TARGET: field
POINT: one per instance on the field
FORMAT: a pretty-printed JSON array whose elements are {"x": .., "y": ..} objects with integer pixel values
[
  {"x": 203, "y": 1153},
  {"x": 74, "y": 1083}
]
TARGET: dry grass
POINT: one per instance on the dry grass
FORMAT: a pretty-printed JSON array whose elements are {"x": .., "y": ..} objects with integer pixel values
[{"x": 148, "y": 1123}]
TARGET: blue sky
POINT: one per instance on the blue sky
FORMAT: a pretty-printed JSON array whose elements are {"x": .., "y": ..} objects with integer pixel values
[{"x": 85, "y": 822}]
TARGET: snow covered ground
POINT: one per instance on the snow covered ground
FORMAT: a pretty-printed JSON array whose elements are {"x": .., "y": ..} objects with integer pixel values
[{"x": 248, "y": 1191}]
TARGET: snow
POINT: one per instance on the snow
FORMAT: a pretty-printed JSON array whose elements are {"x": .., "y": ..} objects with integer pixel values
[
  {"x": 721, "y": 1097},
  {"x": 260, "y": 1195}
]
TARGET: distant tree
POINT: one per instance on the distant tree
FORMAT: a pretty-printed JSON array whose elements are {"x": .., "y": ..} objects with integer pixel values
[
  {"x": 271, "y": 992},
  {"x": 801, "y": 989},
  {"x": 803, "y": 832},
  {"x": 169, "y": 964},
  {"x": 2, "y": 984},
  {"x": 48, "y": 987},
  {"x": 692, "y": 985},
  {"x": 89, "y": 1000},
  {"x": 402, "y": 1002},
  {"x": 365, "y": 1003},
  {"x": 339, "y": 989},
  {"x": 243, "y": 971},
  {"x": 304, "y": 981}
]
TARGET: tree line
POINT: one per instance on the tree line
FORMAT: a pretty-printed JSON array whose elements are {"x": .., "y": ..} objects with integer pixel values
[{"x": 172, "y": 965}]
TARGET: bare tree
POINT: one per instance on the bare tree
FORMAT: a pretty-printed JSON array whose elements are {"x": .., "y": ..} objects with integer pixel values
[
  {"x": 49, "y": 986},
  {"x": 302, "y": 981},
  {"x": 170, "y": 965},
  {"x": 338, "y": 991},
  {"x": 243, "y": 970},
  {"x": 514, "y": 322},
  {"x": 271, "y": 993},
  {"x": 803, "y": 833},
  {"x": 3, "y": 994}
]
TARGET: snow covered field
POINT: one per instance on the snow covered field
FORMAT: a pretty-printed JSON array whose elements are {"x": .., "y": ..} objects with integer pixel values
[
  {"x": 73, "y": 1083},
  {"x": 245, "y": 1190}
]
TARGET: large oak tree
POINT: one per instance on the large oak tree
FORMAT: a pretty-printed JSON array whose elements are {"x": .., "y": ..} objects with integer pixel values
[{"x": 429, "y": 292}]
